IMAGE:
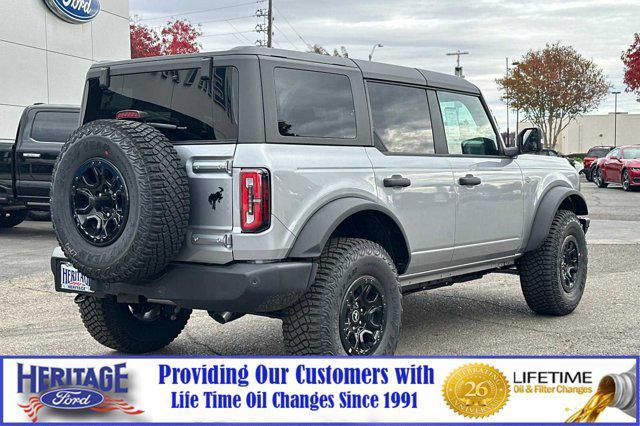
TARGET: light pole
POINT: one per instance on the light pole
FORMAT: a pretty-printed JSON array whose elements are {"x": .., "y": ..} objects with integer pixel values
[
  {"x": 615, "y": 118},
  {"x": 373, "y": 49},
  {"x": 515, "y": 64}
]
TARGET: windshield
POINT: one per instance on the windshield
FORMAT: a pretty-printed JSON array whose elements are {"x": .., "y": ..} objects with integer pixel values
[
  {"x": 191, "y": 108},
  {"x": 631, "y": 153}
]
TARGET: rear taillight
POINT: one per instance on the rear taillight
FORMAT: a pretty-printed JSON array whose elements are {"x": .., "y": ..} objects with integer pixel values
[
  {"x": 130, "y": 114},
  {"x": 255, "y": 200}
]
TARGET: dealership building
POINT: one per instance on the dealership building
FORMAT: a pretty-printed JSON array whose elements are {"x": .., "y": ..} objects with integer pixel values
[{"x": 47, "y": 46}]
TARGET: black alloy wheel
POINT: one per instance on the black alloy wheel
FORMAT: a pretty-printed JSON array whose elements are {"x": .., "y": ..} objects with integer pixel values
[
  {"x": 362, "y": 316},
  {"x": 99, "y": 202},
  {"x": 569, "y": 263}
]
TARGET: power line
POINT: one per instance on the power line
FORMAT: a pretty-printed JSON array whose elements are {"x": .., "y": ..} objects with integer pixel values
[
  {"x": 294, "y": 30},
  {"x": 226, "y": 19},
  {"x": 285, "y": 36},
  {"x": 204, "y": 10},
  {"x": 224, "y": 34},
  {"x": 243, "y": 36}
]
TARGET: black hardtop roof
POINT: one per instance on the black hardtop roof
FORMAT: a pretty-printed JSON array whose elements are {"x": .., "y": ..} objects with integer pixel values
[{"x": 372, "y": 70}]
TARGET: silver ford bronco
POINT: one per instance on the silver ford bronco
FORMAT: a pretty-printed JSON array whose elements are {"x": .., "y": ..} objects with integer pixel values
[{"x": 309, "y": 188}]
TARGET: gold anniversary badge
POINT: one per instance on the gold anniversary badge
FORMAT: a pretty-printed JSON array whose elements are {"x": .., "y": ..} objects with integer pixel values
[{"x": 476, "y": 390}]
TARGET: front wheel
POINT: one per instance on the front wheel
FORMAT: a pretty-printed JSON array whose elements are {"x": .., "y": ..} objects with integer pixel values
[
  {"x": 139, "y": 328},
  {"x": 553, "y": 277},
  {"x": 354, "y": 307},
  {"x": 12, "y": 218}
]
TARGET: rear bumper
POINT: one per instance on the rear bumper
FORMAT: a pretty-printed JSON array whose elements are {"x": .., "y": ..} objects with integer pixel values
[{"x": 236, "y": 287}]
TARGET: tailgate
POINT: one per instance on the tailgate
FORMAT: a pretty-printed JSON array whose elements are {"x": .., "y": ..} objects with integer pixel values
[{"x": 209, "y": 168}]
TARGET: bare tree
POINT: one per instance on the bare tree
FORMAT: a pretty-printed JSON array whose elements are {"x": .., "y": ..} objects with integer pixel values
[
  {"x": 342, "y": 52},
  {"x": 552, "y": 86}
]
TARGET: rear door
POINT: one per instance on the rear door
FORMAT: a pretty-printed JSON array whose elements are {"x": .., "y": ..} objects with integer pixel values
[
  {"x": 194, "y": 102},
  {"x": 412, "y": 181},
  {"x": 490, "y": 207},
  {"x": 613, "y": 166},
  {"x": 38, "y": 145}
]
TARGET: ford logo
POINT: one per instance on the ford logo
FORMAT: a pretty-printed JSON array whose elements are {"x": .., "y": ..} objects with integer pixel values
[
  {"x": 72, "y": 398},
  {"x": 75, "y": 11}
]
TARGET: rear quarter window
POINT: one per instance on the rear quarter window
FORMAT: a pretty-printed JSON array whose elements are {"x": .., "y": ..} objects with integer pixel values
[
  {"x": 314, "y": 104},
  {"x": 54, "y": 126},
  {"x": 189, "y": 107}
]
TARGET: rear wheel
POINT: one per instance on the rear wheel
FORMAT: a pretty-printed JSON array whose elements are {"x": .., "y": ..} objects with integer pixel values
[
  {"x": 588, "y": 174},
  {"x": 598, "y": 178},
  {"x": 12, "y": 218},
  {"x": 626, "y": 180},
  {"x": 354, "y": 307},
  {"x": 138, "y": 328},
  {"x": 553, "y": 277}
]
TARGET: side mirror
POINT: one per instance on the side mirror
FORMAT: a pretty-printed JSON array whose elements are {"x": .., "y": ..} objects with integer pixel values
[{"x": 530, "y": 140}]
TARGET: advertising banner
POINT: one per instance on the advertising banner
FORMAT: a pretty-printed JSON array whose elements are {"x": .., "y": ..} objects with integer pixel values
[{"x": 287, "y": 390}]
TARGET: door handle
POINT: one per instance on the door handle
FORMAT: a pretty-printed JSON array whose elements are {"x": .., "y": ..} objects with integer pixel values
[
  {"x": 31, "y": 155},
  {"x": 470, "y": 180},
  {"x": 396, "y": 181}
]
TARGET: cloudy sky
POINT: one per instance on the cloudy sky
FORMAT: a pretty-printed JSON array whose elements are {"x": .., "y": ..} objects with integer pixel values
[{"x": 419, "y": 33}]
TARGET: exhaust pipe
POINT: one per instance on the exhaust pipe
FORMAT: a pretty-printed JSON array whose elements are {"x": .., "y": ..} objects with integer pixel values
[{"x": 225, "y": 317}]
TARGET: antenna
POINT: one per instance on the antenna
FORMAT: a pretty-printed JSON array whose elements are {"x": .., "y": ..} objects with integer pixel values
[{"x": 458, "y": 69}]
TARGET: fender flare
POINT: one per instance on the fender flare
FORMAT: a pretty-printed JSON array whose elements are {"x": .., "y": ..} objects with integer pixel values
[
  {"x": 316, "y": 231},
  {"x": 546, "y": 211}
]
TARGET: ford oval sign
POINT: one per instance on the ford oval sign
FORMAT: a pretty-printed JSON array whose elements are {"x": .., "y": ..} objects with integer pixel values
[
  {"x": 75, "y": 11},
  {"x": 72, "y": 398}
]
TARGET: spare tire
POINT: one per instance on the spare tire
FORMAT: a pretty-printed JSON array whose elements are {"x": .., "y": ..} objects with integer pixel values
[{"x": 119, "y": 200}]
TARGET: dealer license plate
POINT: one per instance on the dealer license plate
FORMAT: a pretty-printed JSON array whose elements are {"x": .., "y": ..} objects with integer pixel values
[{"x": 72, "y": 280}]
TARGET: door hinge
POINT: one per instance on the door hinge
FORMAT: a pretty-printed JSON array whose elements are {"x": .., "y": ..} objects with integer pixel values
[{"x": 225, "y": 240}]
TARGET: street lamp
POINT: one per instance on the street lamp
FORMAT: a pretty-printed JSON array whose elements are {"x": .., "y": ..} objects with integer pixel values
[
  {"x": 615, "y": 118},
  {"x": 374, "y": 49},
  {"x": 515, "y": 64}
]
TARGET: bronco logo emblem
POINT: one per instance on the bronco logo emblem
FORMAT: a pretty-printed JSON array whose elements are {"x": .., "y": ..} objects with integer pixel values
[{"x": 216, "y": 197}]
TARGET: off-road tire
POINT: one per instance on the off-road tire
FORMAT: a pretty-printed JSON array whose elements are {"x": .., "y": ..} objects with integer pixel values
[
  {"x": 12, "y": 218},
  {"x": 113, "y": 325},
  {"x": 311, "y": 326},
  {"x": 598, "y": 179},
  {"x": 588, "y": 174},
  {"x": 158, "y": 192},
  {"x": 39, "y": 216},
  {"x": 540, "y": 270}
]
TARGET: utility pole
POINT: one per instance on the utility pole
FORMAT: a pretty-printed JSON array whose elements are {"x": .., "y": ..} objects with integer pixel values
[
  {"x": 458, "y": 69},
  {"x": 515, "y": 64},
  {"x": 615, "y": 118},
  {"x": 270, "y": 25},
  {"x": 506, "y": 94}
]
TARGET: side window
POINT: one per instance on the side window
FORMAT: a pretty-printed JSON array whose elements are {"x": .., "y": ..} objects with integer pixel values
[
  {"x": 314, "y": 104},
  {"x": 614, "y": 153},
  {"x": 54, "y": 126},
  {"x": 401, "y": 121},
  {"x": 467, "y": 125},
  {"x": 190, "y": 108}
]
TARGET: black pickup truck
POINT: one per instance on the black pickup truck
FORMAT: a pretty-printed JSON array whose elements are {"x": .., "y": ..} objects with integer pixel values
[{"x": 26, "y": 164}]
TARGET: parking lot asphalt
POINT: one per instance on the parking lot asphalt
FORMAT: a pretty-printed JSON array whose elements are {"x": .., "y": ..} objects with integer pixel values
[{"x": 483, "y": 317}]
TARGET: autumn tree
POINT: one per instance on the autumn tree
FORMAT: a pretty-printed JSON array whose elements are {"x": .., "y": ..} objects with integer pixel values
[
  {"x": 175, "y": 38},
  {"x": 631, "y": 61},
  {"x": 341, "y": 52},
  {"x": 552, "y": 86}
]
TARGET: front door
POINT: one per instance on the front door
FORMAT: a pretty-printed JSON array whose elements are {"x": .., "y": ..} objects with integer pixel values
[
  {"x": 413, "y": 182},
  {"x": 489, "y": 186},
  {"x": 37, "y": 149},
  {"x": 612, "y": 167}
]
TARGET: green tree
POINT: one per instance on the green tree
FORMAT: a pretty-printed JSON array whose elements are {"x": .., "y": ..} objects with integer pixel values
[{"x": 552, "y": 86}]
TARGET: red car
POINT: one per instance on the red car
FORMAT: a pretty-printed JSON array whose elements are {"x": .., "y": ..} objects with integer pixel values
[
  {"x": 590, "y": 158},
  {"x": 621, "y": 165}
]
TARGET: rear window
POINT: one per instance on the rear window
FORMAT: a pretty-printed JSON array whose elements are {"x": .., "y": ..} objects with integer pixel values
[
  {"x": 314, "y": 104},
  {"x": 54, "y": 126},
  {"x": 183, "y": 105},
  {"x": 597, "y": 152}
]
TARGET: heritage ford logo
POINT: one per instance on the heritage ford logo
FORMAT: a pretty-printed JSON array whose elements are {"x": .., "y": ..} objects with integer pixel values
[
  {"x": 75, "y": 11},
  {"x": 74, "y": 388},
  {"x": 72, "y": 398}
]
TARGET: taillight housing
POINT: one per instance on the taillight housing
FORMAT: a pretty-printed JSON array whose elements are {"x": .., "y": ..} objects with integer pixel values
[{"x": 255, "y": 200}]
